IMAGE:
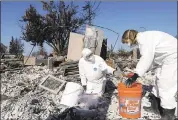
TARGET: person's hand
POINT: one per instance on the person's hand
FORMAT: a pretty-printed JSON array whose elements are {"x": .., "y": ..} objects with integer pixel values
[
  {"x": 131, "y": 80},
  {"x": 117, "y": 73},
  {"x": 84, "y": 87}
]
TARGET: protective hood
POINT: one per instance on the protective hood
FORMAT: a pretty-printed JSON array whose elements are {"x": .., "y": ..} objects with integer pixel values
[{"x": 87, "y": 54}]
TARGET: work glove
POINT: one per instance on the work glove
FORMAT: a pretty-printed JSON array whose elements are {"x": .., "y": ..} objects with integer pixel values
[
  {"x": 117, "y": 73},
  {"x": 131, "y": 80}
]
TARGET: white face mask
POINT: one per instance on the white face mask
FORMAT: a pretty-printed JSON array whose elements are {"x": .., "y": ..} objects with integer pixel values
[{"x": 92, "y": 58}]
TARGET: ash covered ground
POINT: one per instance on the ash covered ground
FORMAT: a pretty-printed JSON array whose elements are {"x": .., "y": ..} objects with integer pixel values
[{"x": 23, "y": 99}]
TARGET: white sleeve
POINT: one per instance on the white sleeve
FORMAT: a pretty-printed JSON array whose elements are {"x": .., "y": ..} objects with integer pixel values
[
  {"x": 110, "y": 70},
  {"x": 82, "y": 74},
  {"x": 147, "y": 50},
  {"x": 106, "y": 68}
]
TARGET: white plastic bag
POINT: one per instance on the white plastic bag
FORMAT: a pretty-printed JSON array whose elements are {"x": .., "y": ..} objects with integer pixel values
[{"x": 71, "y": 94}]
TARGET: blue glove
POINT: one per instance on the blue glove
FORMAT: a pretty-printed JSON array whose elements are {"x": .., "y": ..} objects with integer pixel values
[{"x": 131, "y": 80}]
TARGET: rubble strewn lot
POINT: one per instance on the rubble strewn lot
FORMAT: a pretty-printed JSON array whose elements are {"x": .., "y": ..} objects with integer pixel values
[{"x": 23, "y": 99}]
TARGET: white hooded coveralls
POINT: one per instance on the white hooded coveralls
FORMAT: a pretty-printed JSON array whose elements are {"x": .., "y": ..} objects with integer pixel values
[
  {"x": 92, "y": 74},
  {"x": 161, "y": 49}
]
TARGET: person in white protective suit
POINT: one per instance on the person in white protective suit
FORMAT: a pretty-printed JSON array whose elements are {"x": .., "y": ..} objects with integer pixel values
[
  {"x": 158, "y": 49},
  {"x": 92, "y": 70}
]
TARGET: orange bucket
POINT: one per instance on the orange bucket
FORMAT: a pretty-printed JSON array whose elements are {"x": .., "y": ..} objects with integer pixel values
[{"x": 130, "y": 100}]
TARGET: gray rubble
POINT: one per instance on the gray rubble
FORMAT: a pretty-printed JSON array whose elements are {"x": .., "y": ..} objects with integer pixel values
[
  {"x": 23, "y": 99},
  {"x": 10, "y": 62}
]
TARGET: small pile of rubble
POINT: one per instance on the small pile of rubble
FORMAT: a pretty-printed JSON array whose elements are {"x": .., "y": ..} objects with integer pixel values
[
  {"x": 123, "y": 63},
  {"x": 21, "y": 96},
  {"x": 10, "y": 62},
  {"x": 70, "y": 70}
]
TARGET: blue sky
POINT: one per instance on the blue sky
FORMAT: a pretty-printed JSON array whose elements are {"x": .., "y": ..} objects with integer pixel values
[{"x": 118, "y": 16}]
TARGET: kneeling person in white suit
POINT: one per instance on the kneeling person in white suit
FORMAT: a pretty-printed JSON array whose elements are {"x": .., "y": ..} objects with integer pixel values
[{"x": 93, "y": 70}]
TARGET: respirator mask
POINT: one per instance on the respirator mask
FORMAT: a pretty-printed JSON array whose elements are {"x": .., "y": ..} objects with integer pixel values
[{"x": 90, "y": 58}]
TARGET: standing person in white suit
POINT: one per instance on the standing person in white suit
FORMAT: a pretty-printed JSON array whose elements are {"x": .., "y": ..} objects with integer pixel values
[
  {"x": 160, "y": 49},
  {"x": 92, "y": 70}
]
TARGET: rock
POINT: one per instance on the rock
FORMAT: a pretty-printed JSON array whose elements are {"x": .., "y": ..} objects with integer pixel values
[
  {"x": 34, "y": 101},
  {"x": 25, "y": 91},
  {"x": 36, "y": 110},
  {"x": 20, "y": 84}
]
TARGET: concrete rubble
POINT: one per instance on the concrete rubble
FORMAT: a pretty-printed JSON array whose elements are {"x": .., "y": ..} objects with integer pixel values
[
  {"x": 23, "y": 99},
  {"x": 10, "y": 62},
  {"x": 70, "y": 71}
]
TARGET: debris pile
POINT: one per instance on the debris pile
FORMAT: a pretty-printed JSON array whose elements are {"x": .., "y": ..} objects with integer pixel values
[
  {"x": 70, "y": 71},
  {"x": 10, "y": 62},
  {"x": 125, "y": 63},
  {"x": 35, "y": 92},
  {"x": 22, "y": 98}
]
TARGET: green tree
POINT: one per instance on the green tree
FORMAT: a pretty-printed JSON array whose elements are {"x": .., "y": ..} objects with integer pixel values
[
  {"x": 54, "y": 28},
  {"x": 32, "y": 31},
  {"x": 16, "y": 47}
]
